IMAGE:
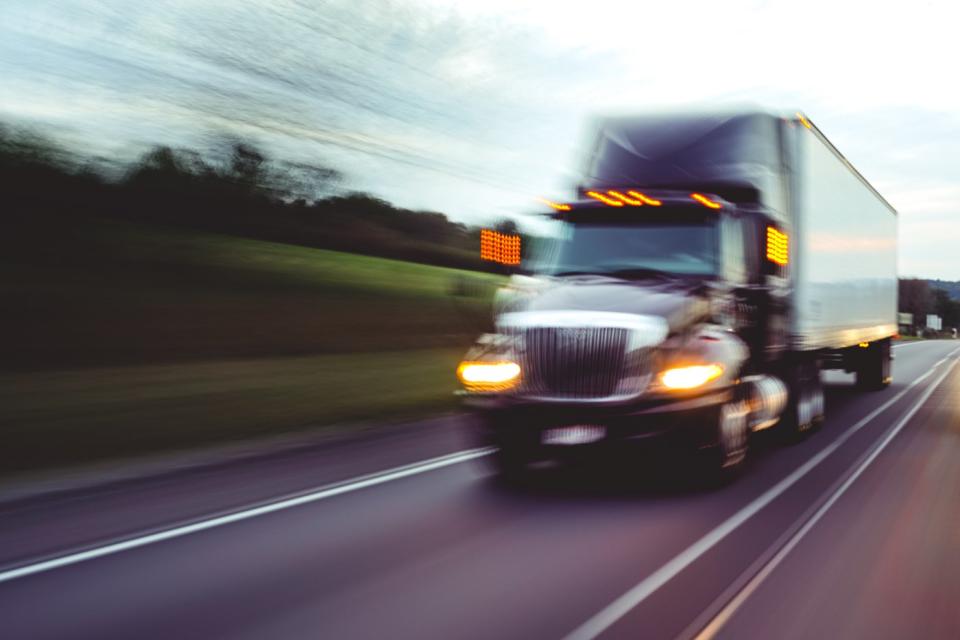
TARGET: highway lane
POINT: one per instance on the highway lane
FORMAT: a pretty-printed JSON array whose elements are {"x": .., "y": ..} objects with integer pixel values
[
  {"x": 447, "y": 552},
  {"x": 887, "y": 552}
]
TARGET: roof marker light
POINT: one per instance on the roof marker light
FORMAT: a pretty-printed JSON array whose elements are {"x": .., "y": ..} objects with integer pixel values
[
  {"x": 804, "y": 121},
  {"x": 645, "y": 199},
  {"x": 559, "y": 206},
  {"x": 604, "y": 199},
  {"x": 705, "y": 201},
  {"x": 629, "y": 201}
]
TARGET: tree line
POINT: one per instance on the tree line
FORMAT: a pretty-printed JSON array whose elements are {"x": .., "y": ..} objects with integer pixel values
[
  {"x": 235, "y": 188},
  {"x": 919, "y": 298}
]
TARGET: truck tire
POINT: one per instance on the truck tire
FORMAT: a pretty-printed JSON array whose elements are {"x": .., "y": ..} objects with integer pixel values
[
  {"x": 724, "y": 462},
  {"x": 732, "y": 434},
  {"x": 805, "y": 407},
  {"x": 873, "y": 367},
  {"x": 512, "y": 454},
  {"x": 510, "y": 463}
]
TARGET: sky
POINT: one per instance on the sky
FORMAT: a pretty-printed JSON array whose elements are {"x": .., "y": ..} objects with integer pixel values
[{"x": 477, "y": 107}]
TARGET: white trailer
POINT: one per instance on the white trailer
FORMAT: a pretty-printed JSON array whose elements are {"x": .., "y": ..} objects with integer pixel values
[{"x": 845, "y": 269}]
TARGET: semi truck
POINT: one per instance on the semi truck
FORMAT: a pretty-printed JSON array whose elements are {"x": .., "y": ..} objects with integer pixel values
[{"x": 707, "y": 269}]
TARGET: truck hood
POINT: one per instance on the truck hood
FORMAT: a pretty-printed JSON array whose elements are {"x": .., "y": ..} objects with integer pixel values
[{"x": 678, "y": 306}]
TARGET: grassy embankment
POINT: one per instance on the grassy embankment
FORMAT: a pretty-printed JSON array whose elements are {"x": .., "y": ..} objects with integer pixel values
[{"x": 122, "y": 340}]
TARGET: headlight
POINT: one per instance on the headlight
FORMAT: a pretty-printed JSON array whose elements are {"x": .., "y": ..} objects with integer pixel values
[
  {"x": 690, "y": 377},
  {"x": 488, "y": 376}
]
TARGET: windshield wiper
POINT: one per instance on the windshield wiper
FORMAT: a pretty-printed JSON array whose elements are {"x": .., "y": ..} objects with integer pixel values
[
  {"x": 562, "y": 274},
  {"x": 633, "y": 273}
]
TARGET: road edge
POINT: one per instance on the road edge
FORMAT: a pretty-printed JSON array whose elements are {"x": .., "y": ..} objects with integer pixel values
[{"x": 60, "y": 482}]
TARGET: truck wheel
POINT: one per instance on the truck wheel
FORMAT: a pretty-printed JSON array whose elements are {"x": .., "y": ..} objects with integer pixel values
[
  {"x": 805, "y": 408},
  {"x": 724, "y": 462},
  {"x": 512, "y": 454},
  {"x": 510, "y": 463},
  {"x": 873, "y": 368},
  {"x": 732, "y": 434}
]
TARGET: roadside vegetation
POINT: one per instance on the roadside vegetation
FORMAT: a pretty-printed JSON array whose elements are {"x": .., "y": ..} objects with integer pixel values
[
  {"x": 79, "y": 416},
  {"x": 171, "y": 339},
  {"x": 192, "y": 302},
  {"x": 919, "y": 298},
  {"x": 112, "y": 292}
]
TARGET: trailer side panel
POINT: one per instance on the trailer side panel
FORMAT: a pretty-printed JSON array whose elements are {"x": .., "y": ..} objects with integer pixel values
[{"x": 845, "y": 251}]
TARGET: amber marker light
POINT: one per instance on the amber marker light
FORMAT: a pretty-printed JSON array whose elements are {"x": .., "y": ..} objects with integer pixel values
[
  {"x": 705, "y": 201},
  {"x": 804, "y": 121},
  {"x": 596, "y": 195},
  {"x": 630, "y": 201},
  {"x": 488, "y": 376},
  {"x": 690, "y": 377},
  {"x": 499, "y": 247},
  {"x": 559, "y": 206},
  {"x": 778, "y": 247},
  {"x": 864, "y": 345},
  {"x": 644, "y": 199}
]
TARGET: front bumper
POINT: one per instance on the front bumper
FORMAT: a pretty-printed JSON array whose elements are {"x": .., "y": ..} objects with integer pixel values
[{"x": 503, "y": 419}]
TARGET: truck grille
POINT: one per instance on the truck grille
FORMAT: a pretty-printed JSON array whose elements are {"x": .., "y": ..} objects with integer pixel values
[{"x": 582, "y": 363}]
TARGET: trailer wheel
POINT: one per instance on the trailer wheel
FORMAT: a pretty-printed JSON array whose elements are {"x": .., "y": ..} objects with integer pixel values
[{"x": 873, "y": 367}]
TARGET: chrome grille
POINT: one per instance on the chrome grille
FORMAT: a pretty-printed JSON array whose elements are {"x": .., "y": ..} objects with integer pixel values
[{"x": 582, "y": 363}]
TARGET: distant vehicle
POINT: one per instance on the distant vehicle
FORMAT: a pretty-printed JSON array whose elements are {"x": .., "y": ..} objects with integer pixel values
[{"x": 710, "y": 266}]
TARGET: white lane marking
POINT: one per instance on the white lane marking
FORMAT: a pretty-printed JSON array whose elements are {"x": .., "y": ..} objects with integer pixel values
[
  {"x": 620, "y": 607},
  {"x": 329, "y": 491},
  {"x": 711, "y": 630}
]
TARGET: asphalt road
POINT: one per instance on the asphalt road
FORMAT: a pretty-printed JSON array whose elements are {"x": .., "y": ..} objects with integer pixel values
[{"x": 853, "y": 533}]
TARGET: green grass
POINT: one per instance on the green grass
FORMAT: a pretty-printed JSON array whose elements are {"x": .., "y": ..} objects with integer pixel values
[
  {"x": 109, "y": 292},
  {"x": 122, "y": 340},
  {"x": 73, "y": 417},
  {"x": 249, "y": 264}
]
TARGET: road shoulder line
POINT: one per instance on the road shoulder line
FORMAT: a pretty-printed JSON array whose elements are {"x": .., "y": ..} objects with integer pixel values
[
  {"x": 322, "y": 493},
  {"x": 111, "y": 473}
]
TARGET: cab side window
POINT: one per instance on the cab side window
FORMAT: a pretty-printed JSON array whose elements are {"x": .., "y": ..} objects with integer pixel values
[{"x": 734, "y": 260}]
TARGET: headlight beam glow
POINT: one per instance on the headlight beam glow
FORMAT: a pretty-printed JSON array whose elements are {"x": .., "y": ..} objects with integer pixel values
[
  {"x": 690, "y": 377},
  {"x": 488, "y": 376}
]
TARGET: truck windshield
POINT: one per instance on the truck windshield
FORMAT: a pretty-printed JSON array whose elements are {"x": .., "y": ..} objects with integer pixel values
[{"x": 625, "y": 249}]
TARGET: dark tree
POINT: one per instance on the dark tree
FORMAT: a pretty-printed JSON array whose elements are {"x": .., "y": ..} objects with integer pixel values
[
  {"x": 947, "y": 308},
  {"x": 914, "y": 297}
]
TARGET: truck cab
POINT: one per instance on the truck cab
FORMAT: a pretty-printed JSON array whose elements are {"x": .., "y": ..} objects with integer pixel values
[{"x": 637, "y": 320}]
